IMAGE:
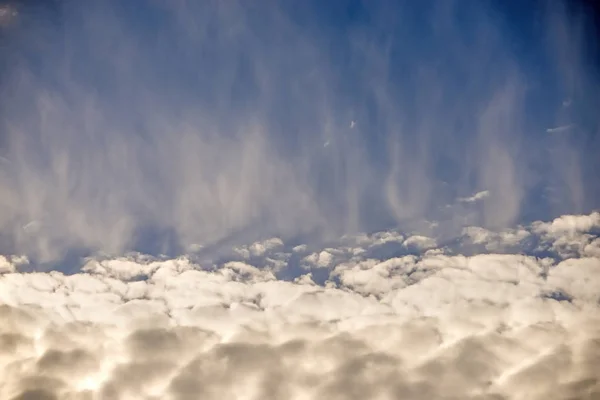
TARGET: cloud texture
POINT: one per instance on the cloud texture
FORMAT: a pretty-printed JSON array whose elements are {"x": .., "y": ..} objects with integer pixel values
[
  {"x": 172, "y": 124},
  {"x": 183, "y": 187},
  {"x": 385, "y": 322}
]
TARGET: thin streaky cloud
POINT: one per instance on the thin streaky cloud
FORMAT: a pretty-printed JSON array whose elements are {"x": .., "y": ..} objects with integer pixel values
[
  {"x": 562, "y": 128},
  {"x": 203, "y": 124}
]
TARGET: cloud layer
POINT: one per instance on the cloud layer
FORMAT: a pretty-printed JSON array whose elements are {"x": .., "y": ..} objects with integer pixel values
[
  {"x": 259, "y": 142},
  {"x": 381, "y": 316}
]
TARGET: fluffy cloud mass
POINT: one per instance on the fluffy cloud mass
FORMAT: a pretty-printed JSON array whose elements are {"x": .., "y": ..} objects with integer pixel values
[
  {"x": 380, "y": 316},
  {"x": 302, "y": 200}
]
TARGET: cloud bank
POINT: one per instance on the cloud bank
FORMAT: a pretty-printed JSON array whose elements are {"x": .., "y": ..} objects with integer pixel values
[
  {"x": 395, "y": 316},
  {"x": 185, "y": 187},
  {"x": 181, "y": 124}
]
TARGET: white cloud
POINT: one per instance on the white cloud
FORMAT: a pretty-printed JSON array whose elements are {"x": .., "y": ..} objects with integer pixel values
[
  {"x": 6, "y": 265},
  {"x": 322, "y": 259},
  {"x": 476, "y": 197},
  {"x": 430, "y": 325},
  {"x": 562, "y": 128},
  {"x": 202, "y": 128},
  {"x": 260, "y": 248},
  {"x": 8, "y": 13},
  {"x": 571, "y": 224},
  {"x": 420, "y": 242},
  {"x": 12, "y": 263},
  {"x": 496, "y": 241}
]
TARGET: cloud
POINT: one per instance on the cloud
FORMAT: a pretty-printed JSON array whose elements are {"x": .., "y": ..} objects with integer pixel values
[
  {"x": 434, "y": 324},
  {"x": 171, "y": 227},
  {"x": 496, "y": 241},
  {"x": 476, "y": 197},
  {"x": 203, "y": 125},
  {"x": 562, "y": 128}
]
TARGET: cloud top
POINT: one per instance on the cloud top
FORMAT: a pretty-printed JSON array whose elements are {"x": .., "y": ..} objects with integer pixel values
[{"x": 431, "y": 324}]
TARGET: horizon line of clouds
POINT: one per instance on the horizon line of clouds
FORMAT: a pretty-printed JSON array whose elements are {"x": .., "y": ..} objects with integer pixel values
[{"x": 436, "y": 323}]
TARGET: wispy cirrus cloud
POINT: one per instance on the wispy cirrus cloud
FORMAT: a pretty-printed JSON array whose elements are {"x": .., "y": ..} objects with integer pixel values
[{"x": 188, "y": 125}]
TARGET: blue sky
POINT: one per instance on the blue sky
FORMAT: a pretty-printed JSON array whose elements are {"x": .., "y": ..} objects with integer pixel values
[{"x": 159, "y": 125}]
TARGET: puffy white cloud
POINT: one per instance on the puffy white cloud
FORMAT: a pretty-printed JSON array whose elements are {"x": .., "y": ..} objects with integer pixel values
[
  {"x": 202, "y": 128},
  {"x": 570, "y": 224},
  {"x": 6, "y": 265},
  {"x": 495, "y": 241},
  {"x": 10, "y": 264},
  {"x": 436, "y": 324}
]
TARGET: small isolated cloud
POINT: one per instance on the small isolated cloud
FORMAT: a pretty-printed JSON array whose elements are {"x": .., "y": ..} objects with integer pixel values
[
  {"x": 420, "y": 242},
  {"x": 11, "y": 264},
  {"x": 258, "y": 249},
  {"x": 562, "y": 128},
  {"x": 475, "y": 198},
  {"x": 322, "y": 259},
  {"x": 569, "y": 224},
  {"x": 6, "y": 265},
  {"x": 248, "y": 126},
  {"x": 436, "y": 324},
  {"x": 496, "y": 241}
]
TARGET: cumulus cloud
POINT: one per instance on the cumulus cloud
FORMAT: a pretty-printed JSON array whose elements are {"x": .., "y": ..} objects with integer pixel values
[
  {"x": 194, "y": 125},
  {"x": 434, "y": 324},
  {"x": 570, "y": 224},
  {"x": 172, "y": 225}
]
